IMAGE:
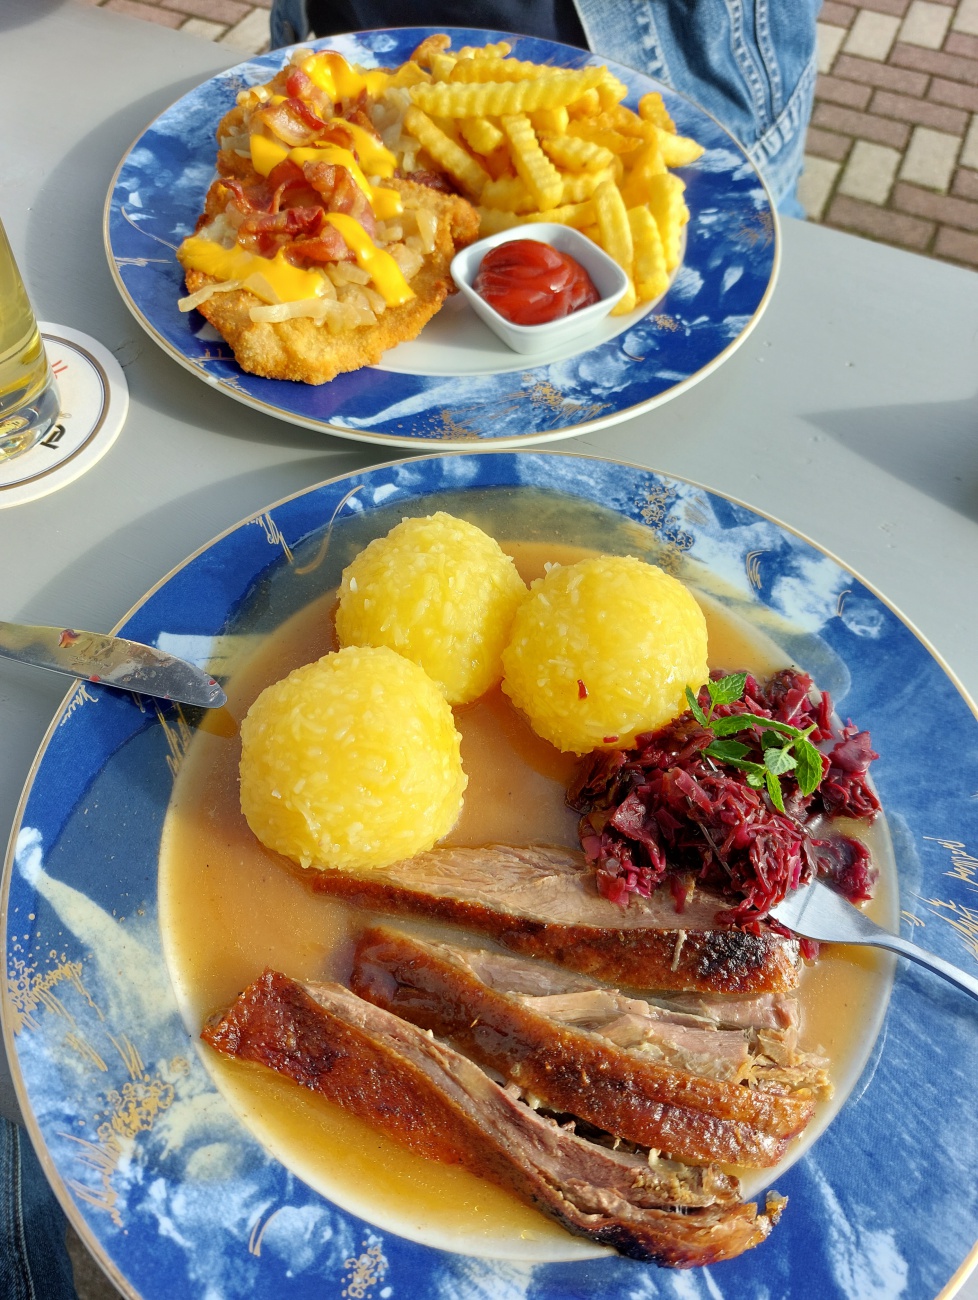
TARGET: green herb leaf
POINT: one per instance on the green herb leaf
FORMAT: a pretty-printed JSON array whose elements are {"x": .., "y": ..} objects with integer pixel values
[
  {"x": 778, "y": 761},
  {"x": 771, "y": 724},
  {"x": 727, "y": 689},
  {"x": 774, "y": 790},
  {"x": 809, "y": 769},
  {"x": 727, "y": 751},
  {"x": 729, "y": 726},
  {"x": 695, "y": 709},
  {"x": 785, "y": 748}
]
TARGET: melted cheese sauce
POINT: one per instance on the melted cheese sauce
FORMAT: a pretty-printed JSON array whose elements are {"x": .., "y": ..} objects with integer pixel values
[{"x": 229, "y": 908}]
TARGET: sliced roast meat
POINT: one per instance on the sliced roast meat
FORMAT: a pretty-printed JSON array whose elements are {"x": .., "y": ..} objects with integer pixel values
[
  {"x": 440, "y": 1104},
  {"x": 579, "y": 1059},
  {"x": 543, "y": 902},
  {"x": 765, "y": 1011}
]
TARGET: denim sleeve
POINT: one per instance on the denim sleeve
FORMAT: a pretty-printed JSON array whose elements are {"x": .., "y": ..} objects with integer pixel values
[
  {"x": 34, "y": 1263},
  {"x": 751, "y": 63}
]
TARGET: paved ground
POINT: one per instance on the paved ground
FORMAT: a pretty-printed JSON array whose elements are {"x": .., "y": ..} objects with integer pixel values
[{"x": 892, "y": 150}]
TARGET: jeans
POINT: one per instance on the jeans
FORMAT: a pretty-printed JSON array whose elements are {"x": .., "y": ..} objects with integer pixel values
[
  {"x": 34, "y": 1263},
  {"x": 751, "y": 63}
]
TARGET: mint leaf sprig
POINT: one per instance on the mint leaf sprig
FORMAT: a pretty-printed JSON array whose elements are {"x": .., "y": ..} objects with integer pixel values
[{"x": 784, "y": 748}]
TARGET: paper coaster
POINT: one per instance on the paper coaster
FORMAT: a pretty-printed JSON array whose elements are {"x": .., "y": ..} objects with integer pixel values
[{"x": 94, "y": 404}]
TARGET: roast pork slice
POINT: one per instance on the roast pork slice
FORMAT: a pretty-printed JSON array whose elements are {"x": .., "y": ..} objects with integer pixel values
[
  {"x": 574, "y": 1065},
  {"x": 442, "y": 1105},
  {"x": 543, "y": 902}
]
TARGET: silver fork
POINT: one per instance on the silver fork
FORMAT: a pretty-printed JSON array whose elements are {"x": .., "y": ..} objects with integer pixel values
[{"x": 817, "y": 912}]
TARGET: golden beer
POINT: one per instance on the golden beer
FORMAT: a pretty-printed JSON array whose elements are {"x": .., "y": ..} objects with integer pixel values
[{"x": 29, "y": 402}]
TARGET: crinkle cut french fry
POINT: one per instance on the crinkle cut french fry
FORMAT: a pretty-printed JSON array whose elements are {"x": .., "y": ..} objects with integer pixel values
[
  {"x": 508, "y": 193},
  {"x": 434, "y": 44},
  {"x": 616, "y": 233},
  {"x": 554, "y": 120},
  {"x": 538, "y": 173},
  {"x": 588, "y": 105},
  {"x": 493, "y": 220},
  {"x": 642, "y": 167},
  {"x": 408, "y": 74},
  {"x": 624, "y": 120},
  {"x": 605, "y": 136},
  {"x": 651, "y": 108},
  {"x": 649, "y": 268},
  {"x": 468, "y": 70},
  {"x": 497, "y": 51},
  {"x": 445, "y": 151},
  {"x": 579, "y": 186},
  {"x": 666, "y": 203},
  {"x": 499, "y": 163},
  {"x": 626, "y": 302},
  {"x": 441, "y": 67},
  {"x": 492, "y": 98},
  {"x": 480, "y": 134},
  {"x": 577, "y": 215},
  {"x": 678, "y": 150},
  {"x": 610, "y": 90},
  {"x": 448, "y": 126},
  {"x": 575, "y": 153}
]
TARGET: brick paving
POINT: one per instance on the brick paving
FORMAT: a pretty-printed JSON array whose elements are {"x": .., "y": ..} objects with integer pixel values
[{"x": 892, "y": 149}]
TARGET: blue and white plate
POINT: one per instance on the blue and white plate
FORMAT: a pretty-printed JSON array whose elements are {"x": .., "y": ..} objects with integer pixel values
[
  {"x": 164, "y": 1183},
  {"x": 457, "y": 383}
]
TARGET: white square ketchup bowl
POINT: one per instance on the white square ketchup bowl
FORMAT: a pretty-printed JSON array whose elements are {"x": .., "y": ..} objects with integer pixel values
[{"x": 608, "y": 278}]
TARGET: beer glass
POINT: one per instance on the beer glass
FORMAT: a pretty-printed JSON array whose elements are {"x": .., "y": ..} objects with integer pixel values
[{"x": 29, "y": 403}]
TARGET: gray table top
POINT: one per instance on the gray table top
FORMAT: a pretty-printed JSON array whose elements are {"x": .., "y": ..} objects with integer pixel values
[{"x": 850, "y": 414}]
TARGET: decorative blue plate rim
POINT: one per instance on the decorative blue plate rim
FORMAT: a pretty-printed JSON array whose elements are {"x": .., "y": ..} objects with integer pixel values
[
  {"x": 712, "y": 306},
  {"x": 855, "y": 1217}
]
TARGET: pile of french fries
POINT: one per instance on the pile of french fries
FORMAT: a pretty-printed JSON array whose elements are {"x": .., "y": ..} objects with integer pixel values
[{"x": 529, "y": 142}]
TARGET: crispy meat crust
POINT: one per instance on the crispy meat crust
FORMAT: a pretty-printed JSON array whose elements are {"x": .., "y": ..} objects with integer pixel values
[
  {"x": 307, "y": 352},
  {"x": 436, "y": 1102},
  {"x": 452, "y": 884},
  {"x": 571, "y": 1069}
]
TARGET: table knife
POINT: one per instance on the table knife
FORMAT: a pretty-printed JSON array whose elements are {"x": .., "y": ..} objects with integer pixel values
[{"x": 111, "y": 661}]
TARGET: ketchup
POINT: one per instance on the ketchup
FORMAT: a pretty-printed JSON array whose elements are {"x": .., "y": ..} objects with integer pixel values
[{"x": 530, "y": 283}]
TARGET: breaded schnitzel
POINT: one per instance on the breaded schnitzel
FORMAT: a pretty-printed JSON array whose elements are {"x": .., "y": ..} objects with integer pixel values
[
  {"x": 314, "y": 254},
  {"x": 305, "y": 349}
]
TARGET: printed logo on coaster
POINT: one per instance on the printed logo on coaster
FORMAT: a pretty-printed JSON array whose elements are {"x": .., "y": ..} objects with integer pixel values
[{"x": 94, "y": 404}]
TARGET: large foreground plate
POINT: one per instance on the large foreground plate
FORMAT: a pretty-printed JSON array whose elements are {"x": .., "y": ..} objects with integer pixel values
[
  {"x": 178, "y": 1199},
  {"x": 457, "y": 383}
]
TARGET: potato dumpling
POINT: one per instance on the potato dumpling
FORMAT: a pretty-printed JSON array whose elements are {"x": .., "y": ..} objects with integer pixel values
[
  {"x": 352, "y": 761},
  {"x": 603, "y": 650},
  {"x": 439, "y": 591}
]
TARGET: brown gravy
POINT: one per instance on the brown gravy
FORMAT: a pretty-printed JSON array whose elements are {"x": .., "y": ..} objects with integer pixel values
[{"x": 228, "y": 909}]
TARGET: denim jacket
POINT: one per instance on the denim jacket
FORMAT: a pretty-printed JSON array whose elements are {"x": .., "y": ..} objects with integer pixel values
[{"x": 751, "y": 63}]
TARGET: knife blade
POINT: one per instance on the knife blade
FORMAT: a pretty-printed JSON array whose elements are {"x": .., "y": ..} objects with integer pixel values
[{"x": 110, "y": 661}]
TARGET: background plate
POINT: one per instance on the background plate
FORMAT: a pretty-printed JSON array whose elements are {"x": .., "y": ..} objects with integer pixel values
[
  {"x": 457, "y": 383},
  {"x": 178, "y": 1199}
]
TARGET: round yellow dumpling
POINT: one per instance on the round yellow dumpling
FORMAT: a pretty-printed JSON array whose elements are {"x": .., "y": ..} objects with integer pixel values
[
  {"x": 603, "y": 650},
  {"x": 439, "y": 591},
  {"x": 352, "y": 761}
]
